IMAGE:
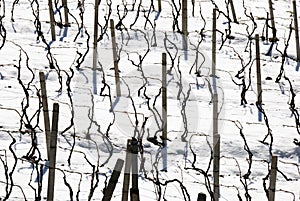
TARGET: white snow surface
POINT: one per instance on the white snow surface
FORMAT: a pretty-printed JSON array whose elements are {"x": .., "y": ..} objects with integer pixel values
[{"x": 102, "y": 124}]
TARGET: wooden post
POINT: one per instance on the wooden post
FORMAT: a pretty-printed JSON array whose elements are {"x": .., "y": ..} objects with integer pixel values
[
  {"x": 52, "y": 21},
  {"x": 134, "y": 191},
  {"x": 95, "y": 46},
  {"x": 214, "y": 30},
  {"x": 184, "y": 17},
  {"x": 116, "y": 67},
  {"x": 201, "y": 197},
  {"x": 164, "y": 94},
  {"x": 45, "y": 111},
  {"x": 185, "y": 24},
  {"x": 159, "y": 5},
  {"x": 108, "y": 192},
  {"x": 216, "y": 148},
  {"x": 273, "y": 175},
  {"x": 185, "y": 28},
  {"x": 128, "y": 162},
  {"x": 164, "y": 111},
  {"x": 66, "y": 11},
  {"x": 258, "y": 72},
  {"x": 52, "y": 159},
  {"x": 296, "y": 30},
  {"x": 233, "y": 11},
  {"x": 272, "y": 20}
]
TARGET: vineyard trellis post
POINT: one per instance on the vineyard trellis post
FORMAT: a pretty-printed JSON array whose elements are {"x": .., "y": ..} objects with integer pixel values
[
  {"x": 52, "y": 158},
  {"x": 296, "y": 33},
  {"x": 233, "y": 11},
  {"x": 159, "y": 5},
  {"x": 164, "y": 112},
  {"x": 216, "y": 147},
  {"x": 131, "y": 165},
  {"x": 115, "y": 57},
  {"x": 258, "y": 76},
  {"x": 128, "y": 164},
  {"x": 214, "y": 36},
  {"x": 184, "y": 18},
  {"x": 272, "y": 20},
  {"x": 66, "y": 12},
  {"x": 45, "y": 111},
  {"x": 185, "y": 27},
  {"x": 134, "y": 191},
  {"x": 216, "y": 136},
  {"x": 108, "y": 192},
  {"x": 95, "y": 46},
  {"x": 273, "y": 175},
  {"x": 52, "y": 20}
]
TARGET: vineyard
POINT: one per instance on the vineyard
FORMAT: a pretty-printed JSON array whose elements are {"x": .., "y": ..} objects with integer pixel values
[{"x": 149, "y": 100}]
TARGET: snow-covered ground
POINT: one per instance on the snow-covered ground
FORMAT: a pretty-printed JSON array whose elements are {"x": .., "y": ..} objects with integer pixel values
[{"x": 94, "y": 128}]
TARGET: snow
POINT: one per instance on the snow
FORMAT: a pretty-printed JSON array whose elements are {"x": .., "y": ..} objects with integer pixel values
[{"x": 102, "y": 124}]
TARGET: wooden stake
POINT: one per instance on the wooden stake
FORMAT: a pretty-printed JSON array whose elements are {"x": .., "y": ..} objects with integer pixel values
[
  {"x": 164, "y": 95},
  {"x": 258, "y": 72},
  {"x": 296, "y": 30},
  {"x": 95, "y": 46},
  {"x": 134, "y": 191},
  {"x": 116, "y": 67},
  {"x": 201, "y": 197},
  {"x": 45, "y": 111},
  {"x": 52, "y": 21},
  {"x": 272, "y": 20},
  {"x": 66, "y": 11},
  {"x": 128, "y": 163},
  {"x": 233, "y": 11},
  {"x": 184, "y": 17},
  {"x": 184, "y": 23},
  {"x": 216, "y": 148},
  {"x": 164, "y": 111},
  {"x": 214, "y": 36},
  {"x": 159, "y": 5},
  {"x": 108, "y": 192},
  {"x": 52, "y": 159},
  {"x": 273, "y": 175}
]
